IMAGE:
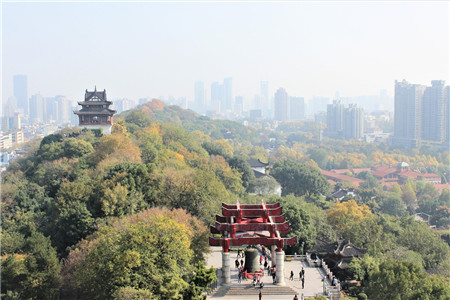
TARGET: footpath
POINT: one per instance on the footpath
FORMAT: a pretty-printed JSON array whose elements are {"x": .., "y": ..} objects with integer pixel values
[{"x": 245, "y": 290}]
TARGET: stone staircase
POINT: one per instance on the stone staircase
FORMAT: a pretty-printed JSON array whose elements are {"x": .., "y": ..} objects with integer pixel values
[{"x": 248, "y": 290}]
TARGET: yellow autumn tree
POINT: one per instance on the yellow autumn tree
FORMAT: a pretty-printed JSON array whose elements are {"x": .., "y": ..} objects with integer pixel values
[{"x": 349, "y": 219}]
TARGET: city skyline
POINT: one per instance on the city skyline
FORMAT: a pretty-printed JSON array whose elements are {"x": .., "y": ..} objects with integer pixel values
[{"x": 136, "y": 50}]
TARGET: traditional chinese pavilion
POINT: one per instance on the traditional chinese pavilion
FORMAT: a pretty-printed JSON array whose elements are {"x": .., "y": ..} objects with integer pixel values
[
  {"x": 251, "y": 224},
  {"x": 95, "y": 112}
]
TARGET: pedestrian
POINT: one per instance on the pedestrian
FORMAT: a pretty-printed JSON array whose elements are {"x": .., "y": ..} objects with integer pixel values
[
  {"x": 242, "y": 262},
  {"x": 237, "y": 263},
  {"x": 295, "y": 297},
  {"x": 274, "y": 277},
  {"x": 303, "y": 282},
  {"x": 334, "y": 282},
  {"x": 303, "y": 273},
  {"x": 292, "y": 276},
  {"x": 265, "y": 264},
  {"x": 239, "y": 277},
  {"x": 258, "y": 278},
  {"x": 260, "y": 260},
  {"x": 261, "y": 285},
  {"x": 260, "y": 294},
  {"x": 300, "y": 275}
]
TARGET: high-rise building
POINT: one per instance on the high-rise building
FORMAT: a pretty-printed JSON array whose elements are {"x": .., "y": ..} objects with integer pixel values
[
  {"x": 217, "y": 97},
  {"x": 64, "y": 109},
  {"x": 10, "y": 107},
  {"x": 21, "y": 92},
  {"x": 51, "y": 110},
  {"x": 36, "y": 109},
  {"x": 281, "y": 105},
  {"x": 123, "y": 104},
  {"x": 447, "y": 117},
  {"x": 144, "y": 100},
  {"x": 433, "y": 110},
  {"x": 228, "y": 94},
  {"x": 264, "y": 91},
  {"x": 318, "y": 104},
  {"x": 335, "y": 119},
  {"x": 296, "y": 108},
  {"x": 407, "y": 114},
  {"x": 199, "y": 96},
  {"x": 239, "y": 105},
  {"x": 353, "y": 122}
]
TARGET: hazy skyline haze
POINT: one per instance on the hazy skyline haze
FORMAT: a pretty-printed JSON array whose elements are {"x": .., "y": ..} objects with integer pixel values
[{"x": 159, "y": 49}]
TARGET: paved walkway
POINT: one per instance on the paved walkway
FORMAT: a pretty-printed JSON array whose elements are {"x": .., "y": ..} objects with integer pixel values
[{"x": 313, "y": 277}]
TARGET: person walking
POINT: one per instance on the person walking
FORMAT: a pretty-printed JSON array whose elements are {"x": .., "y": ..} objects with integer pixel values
[
  {"x": 240, "y": 277},
  {"x": 303, "y": 273},
  {"x": 291, "y": 278},
  {"x": 303, "y": 282},
  {"x": 260, "y": 294},
  {"x": 236, "y": 262}
]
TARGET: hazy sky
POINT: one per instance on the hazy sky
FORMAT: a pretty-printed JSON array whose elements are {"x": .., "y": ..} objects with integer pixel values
[{"x": 158, "y": 49}]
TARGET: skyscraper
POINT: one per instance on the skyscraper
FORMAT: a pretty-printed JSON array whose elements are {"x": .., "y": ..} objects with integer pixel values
[
  {"x": 281, "y": 105},
  {"x": 36, "y": 109},
  {"x": 216, "y": 96},
  {"x": 64, "y": 109},
  {"x": 239, "y": 105},
  {"x": 228, "y": 94},
  {"x": 447, "y": 117},
  {"x": 264, "y": 91},
  {"x": 21, "y": 92},
  {"x": 407, "y": 114},
  {"x": 335, "y": 119},
  {"x": 199, "y": 97},
  {"x": 433, "y": 109},
  {"x": 353, "y": 122},
  {"x": 296, "y": 108}
]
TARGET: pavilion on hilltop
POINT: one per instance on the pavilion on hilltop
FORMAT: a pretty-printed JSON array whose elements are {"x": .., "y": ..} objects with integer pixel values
[{"x": 95, "y": 112}]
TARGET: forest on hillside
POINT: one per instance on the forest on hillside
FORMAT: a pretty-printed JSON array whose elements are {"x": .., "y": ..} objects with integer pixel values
[{"x": 126, "y": 215}]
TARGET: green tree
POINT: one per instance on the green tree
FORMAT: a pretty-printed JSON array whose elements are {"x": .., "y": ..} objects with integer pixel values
[
  {"x": 417, "y": 237},
  {"x": 320, "y": 156},
  {"x": 199, "y": 283},
  {"x": 138, "y": 118},
  {"x": 151, "y": 255},
  {"x": 299, "y": 179},
  {"x": 393, "y": 205},
  {"x": 404, "y": 280},
  {"x": 35, "y": 274},
  {"x": 239, "y": 163},
  {"x": 265, "y": 185}
]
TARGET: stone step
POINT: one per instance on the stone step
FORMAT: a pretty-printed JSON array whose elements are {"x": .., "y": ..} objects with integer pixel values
[{"x": 244, "y": 290}]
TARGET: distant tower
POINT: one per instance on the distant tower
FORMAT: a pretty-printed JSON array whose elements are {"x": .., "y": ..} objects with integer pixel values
[
  {"x": 95, "y": 112},
  {"x": 353, "y": 122},
  {"x": 228, "y": 94},
  {"x": 199, "y": 97},
  {"x": 335, "y": 119},
  {"x": 281, "y": 105},
  {"x": 433, "y": 112},
  {"x": 21, "y": 92},
  {"x": 407, "y": 114}
]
